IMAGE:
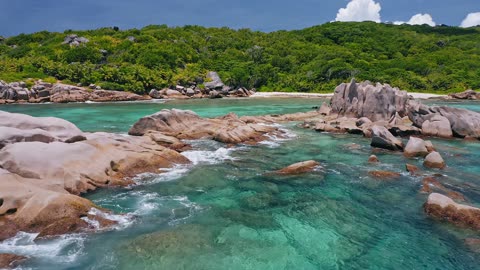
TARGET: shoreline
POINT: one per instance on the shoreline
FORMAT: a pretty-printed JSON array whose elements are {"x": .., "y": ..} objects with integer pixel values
[{"x": 319, "y": 95}]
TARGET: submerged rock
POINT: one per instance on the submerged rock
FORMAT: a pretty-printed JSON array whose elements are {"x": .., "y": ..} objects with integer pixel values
[
  {"x": 373, "y": 159},
  {"x": 300, "y": 167},
  {"x": 384, "y": 174},
  {"x": 412, "y": 169},
  {"x": 434, "y": 160},
  {"x": 444, "y": 208}
]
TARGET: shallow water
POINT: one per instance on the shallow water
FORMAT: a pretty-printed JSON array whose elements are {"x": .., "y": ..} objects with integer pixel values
[{"x": 228, "y": 211}]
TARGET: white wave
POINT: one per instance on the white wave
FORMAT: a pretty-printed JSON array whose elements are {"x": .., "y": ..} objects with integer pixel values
[
  {"x": 208, "y": 157},
  {"x": 274, "y": 140},
  {"x": 62, "y": 249},
  {"x": 168, "y": 174},
  {"x": 123, "y": 221},
  {"x": 185, "y": 202}
]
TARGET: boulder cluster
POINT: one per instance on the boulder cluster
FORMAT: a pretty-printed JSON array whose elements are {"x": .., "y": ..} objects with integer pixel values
[
  {"x": 18, "y": 92},
  {"x": 46, "y": 163},
  {"x": 387, "y": 114},
  {"x": 380, "y": 111},
  {"x": 74, "y": 40},
  {"x": 213, "y": 88}
]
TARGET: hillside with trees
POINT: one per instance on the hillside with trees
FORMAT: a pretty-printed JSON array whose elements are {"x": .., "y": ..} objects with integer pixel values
[{"x": 416, "y": 58}]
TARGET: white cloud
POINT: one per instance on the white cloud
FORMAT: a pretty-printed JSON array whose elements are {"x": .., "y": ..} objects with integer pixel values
[
  {"x": 360, "y": 10},
  {"x": 472, "y": 19},
  {"x": 419, "y": 19}
]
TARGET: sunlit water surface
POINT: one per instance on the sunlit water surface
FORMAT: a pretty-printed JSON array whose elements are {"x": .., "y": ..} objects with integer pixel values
[{"x": 229, "y": 211}]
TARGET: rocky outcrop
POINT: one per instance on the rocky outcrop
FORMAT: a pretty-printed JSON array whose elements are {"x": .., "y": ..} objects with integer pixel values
[
  {"x": 382, "y": 138},
  {"x": 462, "y": 123},
  {"x": 444, "y": 208},
  {"x": 299, "y": 168},
  {"x": 61, "y": 93},
  {"x": 42, "y": 177},
  {"x": 213, "y": 81},
  {"x": 183, "y": 124},
  {"x": 394, "y": 109},
  {"x": 74, "y": 40},
  {"x": 434, "y": 160},
  {"x": 376, "y": 102},
  {"x": 468, "y": 94},
  {"x": 212, "y": 88}
]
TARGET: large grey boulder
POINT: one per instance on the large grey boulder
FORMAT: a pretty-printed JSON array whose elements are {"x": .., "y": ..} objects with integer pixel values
[
  {"x": 382, "y": 138},
  {"x": 437, "y": 125},
  {"x": 154, "y": 93},
  {"x": 376, "y": 102},
  {"x": 214, "y": 81}
]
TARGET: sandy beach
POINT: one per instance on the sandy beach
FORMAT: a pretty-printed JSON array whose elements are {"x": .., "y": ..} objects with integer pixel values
[{"x": 318, "y": 95}]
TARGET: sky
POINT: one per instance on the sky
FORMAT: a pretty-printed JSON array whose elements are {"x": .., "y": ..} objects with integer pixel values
[{"x": 27, "y": 16}]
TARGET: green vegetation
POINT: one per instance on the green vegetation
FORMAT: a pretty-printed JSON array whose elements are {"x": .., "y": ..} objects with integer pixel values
[{"x": 419, "y": 58}]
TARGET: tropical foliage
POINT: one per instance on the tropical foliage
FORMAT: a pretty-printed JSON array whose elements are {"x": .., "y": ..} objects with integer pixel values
[{"x": 420, "y": 58}]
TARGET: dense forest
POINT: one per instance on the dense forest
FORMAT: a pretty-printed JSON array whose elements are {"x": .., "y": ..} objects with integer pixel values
[{"x": 416, "y": 58}]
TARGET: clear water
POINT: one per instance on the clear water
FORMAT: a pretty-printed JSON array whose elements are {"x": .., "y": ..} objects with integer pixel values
[{"x": 228, "y": 211}]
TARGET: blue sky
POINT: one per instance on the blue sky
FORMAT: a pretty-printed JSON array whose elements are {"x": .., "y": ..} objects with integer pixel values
[{"x": 26, "y": 16}]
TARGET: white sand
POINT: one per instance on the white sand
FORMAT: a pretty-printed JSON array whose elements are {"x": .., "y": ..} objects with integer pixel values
[
  {"x": 316, "y": 95},
  {"x": 289, "y": 94}
]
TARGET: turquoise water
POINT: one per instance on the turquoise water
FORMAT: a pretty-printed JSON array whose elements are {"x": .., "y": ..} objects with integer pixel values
[{"x": 228, "y": 211}]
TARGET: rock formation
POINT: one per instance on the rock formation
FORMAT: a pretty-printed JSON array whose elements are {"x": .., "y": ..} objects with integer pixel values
[
  {"x": 468, "y": 94},
  {"x": 443, "y": 121},
  {"x": 376, "y": 102},
  {"x": 43, "y": 174},
  {"x": 213, "y": 88},
  {"x": 188, "y": 125},
  {"x": 60, "y": 93}
]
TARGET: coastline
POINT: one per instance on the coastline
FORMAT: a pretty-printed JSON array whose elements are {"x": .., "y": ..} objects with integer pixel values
[{"x": 318, "y": 95}]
